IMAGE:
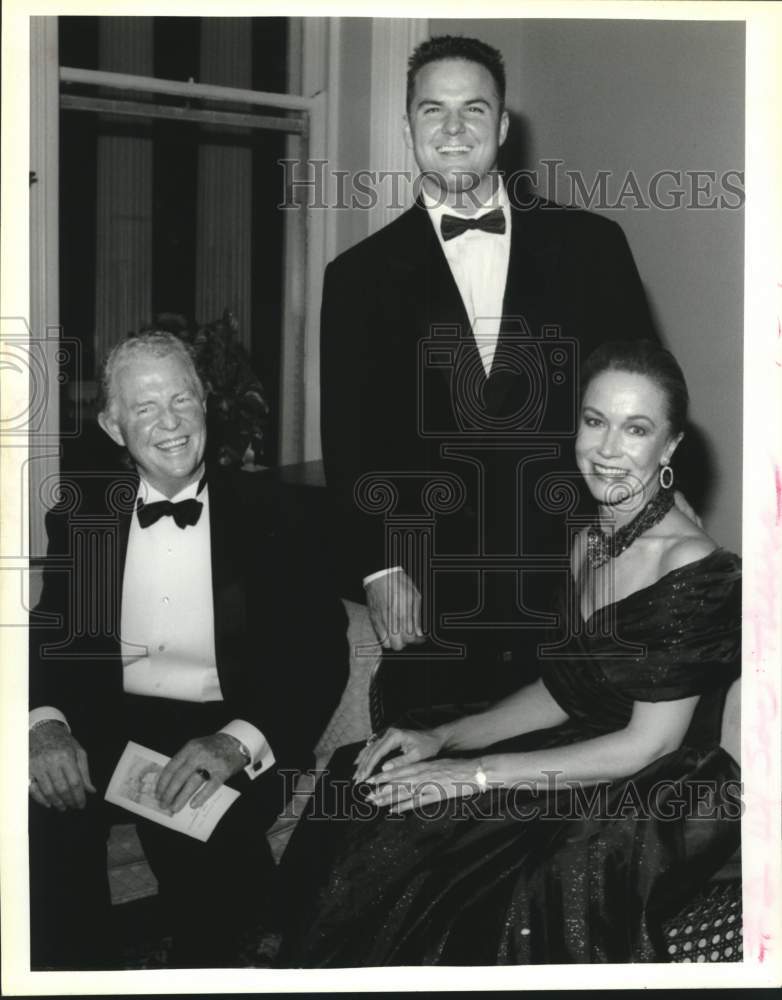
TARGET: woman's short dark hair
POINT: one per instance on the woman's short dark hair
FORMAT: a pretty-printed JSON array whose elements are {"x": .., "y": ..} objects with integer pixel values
[
  {"x": 642, "y": 357},
  {"x": 456, "y": 47}
]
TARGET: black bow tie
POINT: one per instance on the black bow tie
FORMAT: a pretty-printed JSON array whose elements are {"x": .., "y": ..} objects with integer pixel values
[
  {"x": 455, "y": 225},
  {"x": 185, "y": 512}
]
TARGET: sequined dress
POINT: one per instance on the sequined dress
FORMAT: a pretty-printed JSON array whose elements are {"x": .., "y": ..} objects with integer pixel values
[{"x": 569, "y": 875}]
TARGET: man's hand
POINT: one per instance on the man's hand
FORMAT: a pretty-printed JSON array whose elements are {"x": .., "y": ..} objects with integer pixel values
[
  {"x": 59, "y": 772},
  {"x": 218, "y": 754},
  {"x": 686, "y": 509},
  {"x": 394, "y": 604}
]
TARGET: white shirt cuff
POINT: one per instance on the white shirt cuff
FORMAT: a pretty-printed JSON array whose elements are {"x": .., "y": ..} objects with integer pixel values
[
  {"x": 382, "y": 572},
  {"x": 261, "y": 756},
  {"x": 47, "y": 713}
]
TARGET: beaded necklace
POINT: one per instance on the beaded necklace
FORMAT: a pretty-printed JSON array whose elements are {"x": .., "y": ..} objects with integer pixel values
[{"x": 602, "y": 546}]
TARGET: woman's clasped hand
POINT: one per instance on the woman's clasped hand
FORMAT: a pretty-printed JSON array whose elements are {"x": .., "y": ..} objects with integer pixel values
[
  {"x": 412, "y": 778},
  {"x": 408, "y": 786}
]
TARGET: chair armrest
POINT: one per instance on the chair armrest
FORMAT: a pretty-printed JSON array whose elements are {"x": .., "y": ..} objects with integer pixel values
[{"x": 351, "y": 721}]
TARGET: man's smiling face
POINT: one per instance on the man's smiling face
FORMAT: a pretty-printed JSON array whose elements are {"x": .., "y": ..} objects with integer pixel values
[
  {"x": 158, "y": 412},
  {"x": 455, "y": 127}
]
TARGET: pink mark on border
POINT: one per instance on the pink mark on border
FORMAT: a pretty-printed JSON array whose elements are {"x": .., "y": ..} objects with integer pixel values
[{"x": 759, "y": 739}]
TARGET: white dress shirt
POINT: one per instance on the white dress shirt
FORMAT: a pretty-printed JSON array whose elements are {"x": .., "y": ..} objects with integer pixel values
[
  {"x": 479, "y": 264},
  {"x": 167, "y": 622}
]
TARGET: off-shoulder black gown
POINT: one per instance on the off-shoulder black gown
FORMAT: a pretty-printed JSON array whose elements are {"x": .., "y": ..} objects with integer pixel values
[{"x": 512, "y": 877}]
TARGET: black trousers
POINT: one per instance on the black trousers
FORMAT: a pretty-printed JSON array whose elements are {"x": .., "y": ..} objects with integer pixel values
[{"x": 209, "y": 891}]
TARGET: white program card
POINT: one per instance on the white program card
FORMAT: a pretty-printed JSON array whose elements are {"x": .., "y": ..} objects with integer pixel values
[{"x": 132, "y": 786}]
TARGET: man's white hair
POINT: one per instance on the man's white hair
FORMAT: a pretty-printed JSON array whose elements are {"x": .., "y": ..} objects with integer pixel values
[{"x": 155, "y": 343}]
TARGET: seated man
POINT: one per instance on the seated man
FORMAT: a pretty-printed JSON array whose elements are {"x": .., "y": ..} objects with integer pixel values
[{"x": 174, "y": 613}]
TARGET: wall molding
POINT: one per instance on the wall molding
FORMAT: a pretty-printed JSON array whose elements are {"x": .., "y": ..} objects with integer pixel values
[
  {"x": 310, "y": 238},
  {"x": 44, "y": 448},
  {"x": 393, "y": 40}
]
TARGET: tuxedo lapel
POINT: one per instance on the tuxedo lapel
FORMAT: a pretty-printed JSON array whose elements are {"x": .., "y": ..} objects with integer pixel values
[
  {"x": 229, "y": 596},
  {"x": 93, "y": 535},
  {"x": 434, "y": 299},
  {"x": 532, "y": 256},
  {"x": 530, "y": 253},
  {"x": 117, "y": 505},
  {"x": 436, "y": 303},
  {"x": 123, "y": 533}
]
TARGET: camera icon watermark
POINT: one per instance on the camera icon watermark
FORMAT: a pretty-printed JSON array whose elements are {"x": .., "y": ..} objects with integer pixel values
[
  {"x": 33, "y": 368},
  {"x": 530, "y": 389}
]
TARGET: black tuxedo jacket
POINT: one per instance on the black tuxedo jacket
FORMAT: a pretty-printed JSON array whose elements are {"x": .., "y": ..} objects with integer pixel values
[
  {"x": 405, "y": 396},
  {"x": 280, "y": 630}
]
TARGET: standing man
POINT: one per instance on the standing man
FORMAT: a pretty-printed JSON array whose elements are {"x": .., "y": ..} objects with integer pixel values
[
  {"x": 171, "y": 615},
  {"x": 451, "y": 341}
]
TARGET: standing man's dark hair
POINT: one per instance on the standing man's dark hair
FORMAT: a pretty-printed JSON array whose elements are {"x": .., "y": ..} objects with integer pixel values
[{"x": 456, "y": 47}]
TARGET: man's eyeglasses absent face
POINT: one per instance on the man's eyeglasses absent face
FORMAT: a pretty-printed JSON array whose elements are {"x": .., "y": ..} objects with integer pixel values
[
  {"x": 158, "y": 412},
  {"x": 455, "y": 126}
]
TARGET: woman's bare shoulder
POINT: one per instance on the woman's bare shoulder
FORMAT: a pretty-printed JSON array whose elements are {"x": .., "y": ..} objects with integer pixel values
[{"x": 688, "y": 543}]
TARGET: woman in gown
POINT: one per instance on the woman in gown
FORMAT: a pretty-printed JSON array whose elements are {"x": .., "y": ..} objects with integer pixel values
[{"x": 567, "y": 821}]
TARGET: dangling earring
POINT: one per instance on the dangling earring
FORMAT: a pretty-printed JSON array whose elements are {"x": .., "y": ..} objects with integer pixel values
[{"x": 666, "y": 476}]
